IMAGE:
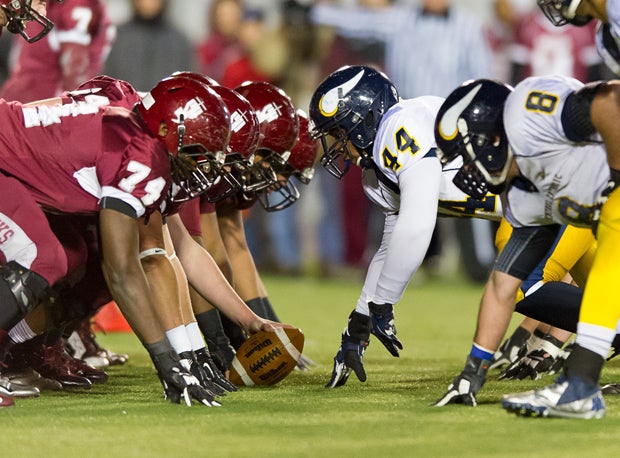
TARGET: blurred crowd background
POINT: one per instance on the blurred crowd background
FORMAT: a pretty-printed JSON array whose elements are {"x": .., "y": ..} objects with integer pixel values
[{"x": 332, "y": 230}]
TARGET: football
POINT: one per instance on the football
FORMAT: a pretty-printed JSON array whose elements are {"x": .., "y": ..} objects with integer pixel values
[{"x": 267, "y": 357}]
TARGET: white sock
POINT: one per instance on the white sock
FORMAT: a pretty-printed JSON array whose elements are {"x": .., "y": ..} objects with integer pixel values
[
  {"x": 179, "y": 339},
  {"x": 595, "y": 338},
  {"x": 195, "y": 336}
]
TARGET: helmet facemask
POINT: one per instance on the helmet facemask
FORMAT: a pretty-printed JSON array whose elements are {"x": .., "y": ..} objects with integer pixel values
[
  {"x": 20, "y": 14},
  {"x": 562, "y": 12},
  {"x": 194, "y": 169},
  {"x": 490, "y": 154}
]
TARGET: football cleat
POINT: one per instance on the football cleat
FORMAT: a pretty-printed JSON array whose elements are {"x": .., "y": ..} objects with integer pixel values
[
  {"x": 83, "y": 345},
  {"x": 566, "y": 398},
  {"x": 15, "y": 390},
  {"x": 611, "y": 388}
]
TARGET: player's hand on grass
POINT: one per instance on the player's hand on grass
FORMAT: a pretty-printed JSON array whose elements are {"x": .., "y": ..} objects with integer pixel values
[
  {"x": 508, "y": 353},
  {"x": 213, "y": 372},
  {"x": 180, "y": 384},
  {"x": 349, "y": 358},
  {"x": 177, "y": 381},
  {"x": 536, "y": 363},
  {"x": 383, "y": 328},
  {"x": 189, "y": 361},
  {"x": 465, "y": 386}
]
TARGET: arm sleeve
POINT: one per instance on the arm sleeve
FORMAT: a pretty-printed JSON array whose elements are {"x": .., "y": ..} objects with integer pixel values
[
  {"x": 406, "y": 236},
  {"x": 357, "y": 22}
]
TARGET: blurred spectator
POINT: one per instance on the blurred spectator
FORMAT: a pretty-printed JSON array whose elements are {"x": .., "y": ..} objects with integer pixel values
[
  {"x": 263, "y": 53},
  {"x": 540, "y": 48},
  {"x": 222, "y": 46},
  {"x": 148, "y": 47},
  {"x": 71, "y": 53}
]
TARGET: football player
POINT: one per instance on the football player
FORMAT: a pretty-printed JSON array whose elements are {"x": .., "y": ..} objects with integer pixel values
[
  {"x": 580, "y": 12},
  {"x": 281, "y": 150},
  {"x": 72, "y": 53},
  {"x": 361, "y": 121},
  {"x": 531, "y": 143},
  {"x": 122, "y": 178}
]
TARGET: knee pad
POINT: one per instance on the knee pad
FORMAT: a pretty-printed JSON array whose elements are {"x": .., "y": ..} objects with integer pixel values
[{"x": 21, "y": 290}]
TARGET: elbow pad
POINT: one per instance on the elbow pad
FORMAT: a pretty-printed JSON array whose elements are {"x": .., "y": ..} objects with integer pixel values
[{"x": 576, "y": 119}]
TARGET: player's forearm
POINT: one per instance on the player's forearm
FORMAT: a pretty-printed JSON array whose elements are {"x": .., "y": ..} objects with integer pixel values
[{"x": 132, "y": 295}]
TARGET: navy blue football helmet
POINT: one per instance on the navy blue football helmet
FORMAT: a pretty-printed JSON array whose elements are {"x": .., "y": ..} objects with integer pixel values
[
  {"x": 348, "y": 106},
  {"x": 470, "y": 123}
]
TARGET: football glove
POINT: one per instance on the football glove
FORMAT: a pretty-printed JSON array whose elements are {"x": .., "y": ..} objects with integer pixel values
[
  {"x": 190, "y": 362},
  {"x": 536, "y": 362},
  {"x": 383, "y": 328},
  {"x": 179, "y": 383},
  {"x": 213, "y": 372},
  {"x": 221, "y": 351},
  {"x": 349, "y": 358},
  {"x": 466, "y": 385},
  {"x": 351, "y": 352},
  {"x": 513, "y": 349}
]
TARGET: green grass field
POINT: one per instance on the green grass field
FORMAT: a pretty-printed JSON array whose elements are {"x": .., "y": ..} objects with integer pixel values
[{"x": 388, "y": 416}]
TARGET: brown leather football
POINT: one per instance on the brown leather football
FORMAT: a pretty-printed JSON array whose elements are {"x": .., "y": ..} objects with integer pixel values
[{"x": 267, "y": 357}]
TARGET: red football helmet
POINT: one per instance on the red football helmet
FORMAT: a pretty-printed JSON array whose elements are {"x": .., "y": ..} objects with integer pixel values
[
  {"x": 299, "y": 164},
  {"x": 105, "y": 90},
  {"x": 194, "y": 124},
  {"x": 279, "y": 127},
  {"x": 204, "y": 79},
  {"x": 244, "y": 139},
  {"x": 20, "y": 15}
]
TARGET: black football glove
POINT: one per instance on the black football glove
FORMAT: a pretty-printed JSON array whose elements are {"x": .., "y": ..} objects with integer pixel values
[
  {"x": 213, "y": 372},
  {"x": 465, "y": 386},
  {"x": 348, "y": 358},
  {"x": 383, "y": 328},
  {"x": 511, "y": 350},
  {"x": 221, "y": 351},
  {"x": 179, "y": 383},
  {"x": 351, "y": 352},
  {"x": 189, "y": 361},
  {"x": 536, "y": 363}
]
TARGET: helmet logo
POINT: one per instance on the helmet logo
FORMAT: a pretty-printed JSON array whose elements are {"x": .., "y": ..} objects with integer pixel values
[
  {"x": 448, "y": 124},
  {"x": 237, "y": 121},
  {"x": 269, "y": 113},
  {"x": 328, "y": 105},
  {"x": 192, "y": 109}
]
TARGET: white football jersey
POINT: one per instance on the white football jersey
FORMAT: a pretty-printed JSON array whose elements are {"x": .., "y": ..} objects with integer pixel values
[
  {"x": 565, "y": 178},
  {"x": 410, "y": 194},
  {"x": 405, "y": 136}
]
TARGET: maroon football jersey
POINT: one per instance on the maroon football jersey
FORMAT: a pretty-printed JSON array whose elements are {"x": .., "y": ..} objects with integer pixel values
[
  {"x": 72, "y": 156},
  {"x": 73, "y": 51}
]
